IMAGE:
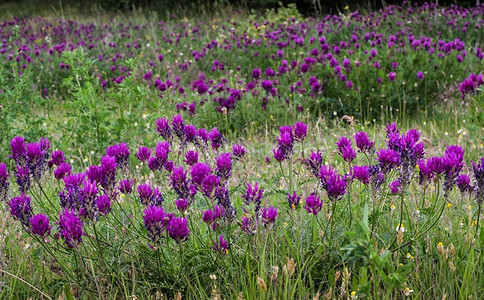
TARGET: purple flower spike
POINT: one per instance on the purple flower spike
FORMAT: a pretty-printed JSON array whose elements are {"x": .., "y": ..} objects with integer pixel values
[
  {"x": 345, "y": 149},
  {"x": 108, "y": 172},
  {"x": 145, "y": 194},
  {"x": 293, "y": 200},
  {"x": 40, "y": 225},
  {"x": 224, "y": 165},
  {"x": 70, "y": 228},
  {"x": 63, "y": 170},
  {"x": 464, "y": 183},
  {"x": 163, "y": 128},
  {"x": 313, "y": 204},
  {"x": 191, "y": 157},
  {"x": 315, "y": 161},
  {"x": 363, "y": 142},
  {"x": 278, "y": 154},
  {"x": 143, "y": 154},
  {"x": 4, "y": 183},
  {"x": 221, "y": 246},
  {"x": 335, "y": 187},
  {"x": 103, "y": 204},
  {"x": 155, "y": 221},
  {"x": 216, "y": 138},
  {"x": 56, "y": 158},
  {"x": 199, "y": 172},
  {"x": 388, "y": 159},
  {"x": 121, "y": 154},
  {"x": 325, "y": 173},
  {"x": 178, "y": 229},
  {"x": 126, "y": 186},
  {"x": 453, "y": 161},
  {"x": 479, "y": 180},
  {"x": 300, "y": 131},
  {"x": 256, "y": 73},
  {"x": 178, "y": 127},
  {"x": 269, "y": 215},
  {"x": 182, "y": 205},
  {"x": 18, "y": 150},
  {"x": 395, "y": 187},
  {"x": 20, "y": 209},
  {"x": 254, "y": 195},
  {"x": 361, "y": 173},
  {"x": 238, "y": 151},
  {"x": 22, "y": 177},
  {"x": 93, "y": 173},
  {"x": 178, "y": 181}
]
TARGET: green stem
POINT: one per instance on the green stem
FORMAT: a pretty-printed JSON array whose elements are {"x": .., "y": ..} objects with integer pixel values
[{"x": 478, "y": 218}]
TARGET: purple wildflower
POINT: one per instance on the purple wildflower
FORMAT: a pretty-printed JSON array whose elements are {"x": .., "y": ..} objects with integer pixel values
[
  {"x": 56, "y": 158},
  {"x": 178, "y": 127},
  {"x": 70, "y": 228},
  {"x": 256, "y": 73},
  {"x": 18, "y": 150},
  {"x": 163, "y": 128},
  {"x": 126, "y": 186},
  {"x": 388, "y": 159},
  {"x": 313, "y": 204},
  {"x": 248, "y": 225},
  {"x": 452, "y": 161},
  {"x": 93, "y": 173},
  {"x": 178, "y": 181},
  {"x": 425, "y": 172},
  {"x": 216, "y": 138},
  {"x": 395, "y": 187},
  {"x": 155, "y": 222},
  {"x": 22, "y": 177},
  {"x": 103, "y": 204},
  {"x": 293, "y": 200},
  {"x": 238, "y": 151},
  {"x": 143, "y": 154},
  {"x": 108, "y": 172},
  {"x": 361, "y": 173},
  {"x": 121, "y": 154},
  {"x": 479, "y": 180},
  {"x": 315, "y": 161},
  {"x": 20, "y": 209},
  {"x": 221, "y": 246},
  {"x": 269, "y": 215},
  {"x": 4, "y": 183},
  {"x": 363, "y": 142},
  {"x": 39, "y": 225},
  {"x": 464, "y": 183},
  {"x": 178, "y": 229},
  {"x": 198, "y": 172},
  {"x": 191, "y": 157},
  {"x": 345, "y": 149},
  {"x": 300, "y": 131},
  {"x": 224, "y": 165},
  {"x": 182, "y": 205},
  {"x": 254, "y": 195},
  {"x": 209, "y": 184},
  {"x": 335, "y": 187},
  {"x": 88, "y": 195}
]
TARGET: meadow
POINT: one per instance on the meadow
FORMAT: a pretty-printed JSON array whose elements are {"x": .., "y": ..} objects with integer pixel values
[{"x": 243, "y": 155}]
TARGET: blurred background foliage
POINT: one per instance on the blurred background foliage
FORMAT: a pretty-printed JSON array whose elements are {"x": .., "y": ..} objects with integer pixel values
[{"x": 166, "y": 9}]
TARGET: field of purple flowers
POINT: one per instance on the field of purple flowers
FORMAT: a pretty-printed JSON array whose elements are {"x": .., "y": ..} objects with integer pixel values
[{"x": 250, "y": 157}]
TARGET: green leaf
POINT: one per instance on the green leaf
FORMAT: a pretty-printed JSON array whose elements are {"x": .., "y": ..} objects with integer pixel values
[{"x": 68, "y": 293}]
